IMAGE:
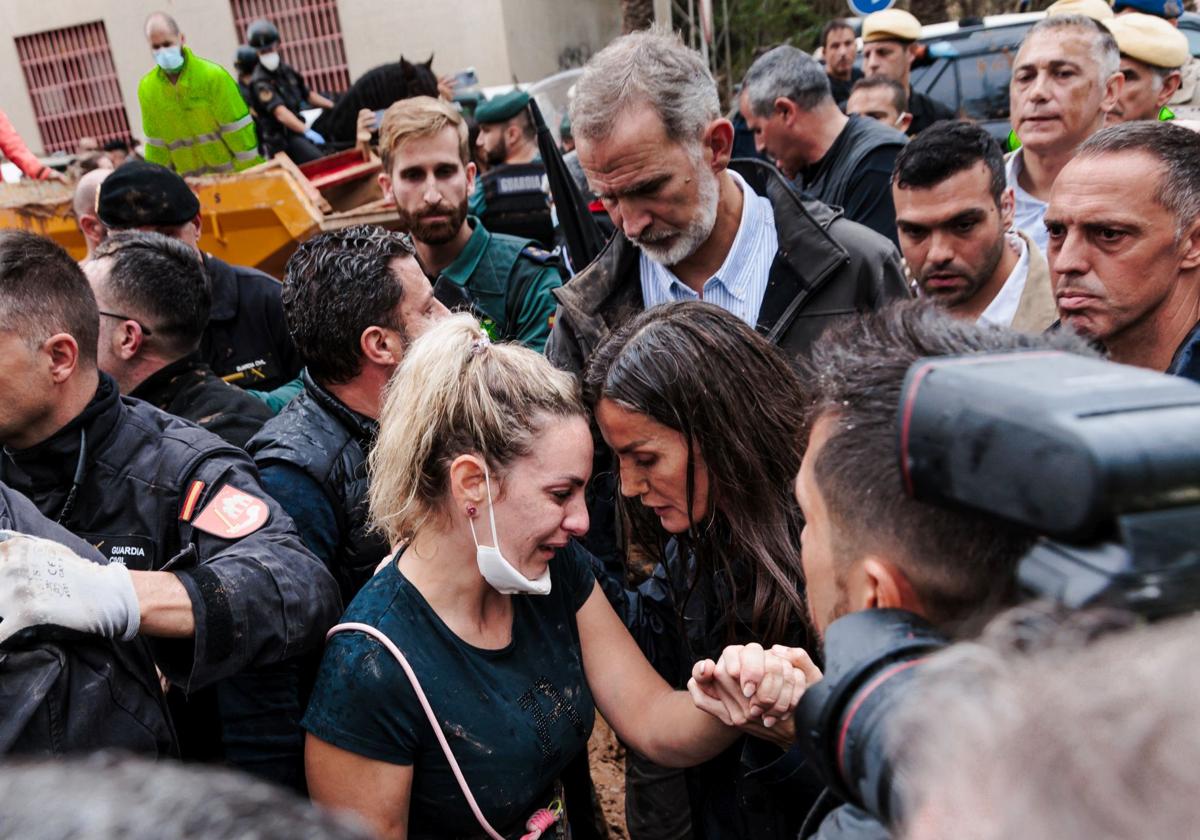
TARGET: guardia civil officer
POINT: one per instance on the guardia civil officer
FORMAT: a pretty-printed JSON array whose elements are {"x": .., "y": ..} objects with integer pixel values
[
  {"x": 246, "y": 341},
  {"x": 207, "y": 565},
  {"x": 281, "y": 94},
  {"x": 512, "y": 196},
  {"x": 427, "y": 168}
]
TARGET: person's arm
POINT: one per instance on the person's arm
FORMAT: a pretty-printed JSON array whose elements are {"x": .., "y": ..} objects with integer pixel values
[
  {"x": 318, "y": 101},
  {"x": 663, "y": 725},
  {"x": 234, "y": 122},
  {"x": 376, "y": 791},
  {"x": 288, "y": 120},
  {"x": 276, "y": 399},
  {"x": 307, "y": 504}
]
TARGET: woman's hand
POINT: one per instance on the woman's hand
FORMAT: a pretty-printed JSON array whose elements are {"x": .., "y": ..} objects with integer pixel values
[{"x": 753, "y": 689}]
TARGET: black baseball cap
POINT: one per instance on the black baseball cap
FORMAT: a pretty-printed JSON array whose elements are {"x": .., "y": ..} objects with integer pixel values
[{"x": 143, "y": 194}]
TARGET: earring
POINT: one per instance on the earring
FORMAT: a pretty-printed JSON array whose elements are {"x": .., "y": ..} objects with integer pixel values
[{"x": 471, "y": 510}]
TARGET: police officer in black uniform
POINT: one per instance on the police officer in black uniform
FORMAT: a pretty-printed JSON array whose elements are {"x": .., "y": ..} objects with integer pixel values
[
  {"x": 280, "y": 95},
  {"x": 218, "y": 579},
  {"x": 245, "y": 60},
  {"x": 246, "y": 341},
  {"x": 512, "y": 196}
]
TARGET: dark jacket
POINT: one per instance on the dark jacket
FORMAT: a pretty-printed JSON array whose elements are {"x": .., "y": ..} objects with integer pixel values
[
  {"x": 856, "y": 174},
  {"x": 925, "y": 112},
  {"x": 1187, "y": 357},
  {"x": 826, "y": 267},
  {"x": 246, "y": 342},
  {"x": 146, "y": 478},
  {"x": 318, "y": 435},
  {"x": 63, "y": 693},
  {"x": 270, "y": 89},
  {"x": 188, "y": 388}
]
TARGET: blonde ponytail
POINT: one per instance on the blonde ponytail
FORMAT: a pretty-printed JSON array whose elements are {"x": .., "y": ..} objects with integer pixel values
[{"x": 456, "y": 393}]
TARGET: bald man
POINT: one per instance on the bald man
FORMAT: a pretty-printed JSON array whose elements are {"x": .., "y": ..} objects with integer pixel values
[{"x": 84, "y": 205}]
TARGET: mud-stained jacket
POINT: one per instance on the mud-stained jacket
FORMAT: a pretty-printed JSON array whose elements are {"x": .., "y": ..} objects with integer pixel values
[
  {"x": 62, "y": 692},
  {"x": 318, "y": 436},
  {"x": 144, "y": 481},
  {"x": 826, "y": 267},
  {"x": 188, "y": 388}
]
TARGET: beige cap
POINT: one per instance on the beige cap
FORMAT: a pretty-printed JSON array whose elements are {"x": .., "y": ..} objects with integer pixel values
[
  {"x": 1095, "y": 9},
  {"x": 890, "y": 25},
  {"x": 1150, "y": 40}
]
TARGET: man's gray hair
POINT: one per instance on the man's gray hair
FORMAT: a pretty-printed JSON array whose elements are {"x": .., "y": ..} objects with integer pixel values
[
  {"x": 652, "y": 68},
  {"x": 1079, "y": 738},
  {"x": 789, "y": 73},
  {"x": 1104, "y": 46},
  {"x": 1175, "y": 147}
]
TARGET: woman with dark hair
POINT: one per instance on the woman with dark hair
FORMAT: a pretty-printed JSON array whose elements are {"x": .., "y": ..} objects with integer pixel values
[{"x": 703, "y": 416}]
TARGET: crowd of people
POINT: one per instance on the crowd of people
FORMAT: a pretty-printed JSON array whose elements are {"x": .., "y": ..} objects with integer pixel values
[{"x": 388, "y": 534}]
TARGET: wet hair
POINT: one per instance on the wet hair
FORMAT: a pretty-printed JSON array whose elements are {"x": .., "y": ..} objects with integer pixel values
[
  {"x": 181, "y": 801},
  {"x": 898, "y": 91},
  {"x": 961, "y": 564},
  {"x": 697, "y": 369},
  {"x": 420, "y": 116},
  {"x": 651, "y": 67},
  {"x": 831, "y": 26},
  {"x": 1175, "y": 147},
  {"x": 161, "y": 282},
  {"x": 336, "y": 285},
  {"x": 789, "y": 73},
  {"x": 44, "y": 292},
  {"x": 1104, "y": 46},
  {"x": 947, "y": 148},
  {"x": 454, "y": 394}
]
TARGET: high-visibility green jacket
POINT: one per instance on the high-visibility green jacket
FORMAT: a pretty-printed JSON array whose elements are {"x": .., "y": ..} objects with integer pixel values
[{"x": 199, "y": 123}]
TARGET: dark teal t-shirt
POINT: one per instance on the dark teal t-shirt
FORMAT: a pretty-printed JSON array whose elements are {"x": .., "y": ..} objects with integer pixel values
[{"x": 513, "y": 717}]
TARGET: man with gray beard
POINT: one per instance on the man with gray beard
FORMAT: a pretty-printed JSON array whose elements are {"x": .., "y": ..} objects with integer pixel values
[{"x": 656, "y": 151}]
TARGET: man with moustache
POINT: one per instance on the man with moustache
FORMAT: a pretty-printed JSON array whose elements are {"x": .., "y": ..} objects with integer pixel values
[
  {"x": 839, "y": 48},
  {"x": 1124, "y": 228},
  {"x": 954, "y": 215},
  {"x": 1153, "y": 55},
  {"x": 427, "y": 168},
  {"x": 1066, "y": 78}
]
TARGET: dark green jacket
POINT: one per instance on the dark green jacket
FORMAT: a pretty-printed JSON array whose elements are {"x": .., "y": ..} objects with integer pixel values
[{"x": 509, "y": 281}]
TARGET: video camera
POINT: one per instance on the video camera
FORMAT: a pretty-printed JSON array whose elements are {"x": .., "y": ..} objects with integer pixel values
[{"x": 1101, "y": 459}]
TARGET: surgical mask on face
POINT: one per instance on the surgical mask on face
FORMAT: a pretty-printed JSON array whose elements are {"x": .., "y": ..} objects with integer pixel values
[
  {"x": 498, "y": 572},
  {"x": 169, "y": 58},
  {"x": 270, "y": 61}
]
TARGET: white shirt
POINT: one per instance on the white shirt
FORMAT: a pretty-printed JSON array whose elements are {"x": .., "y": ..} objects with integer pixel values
[
  {"x": 741, "y": 281},
  {"x": 1030, "y": 212},
  {"x": 1003, "y": 307}
]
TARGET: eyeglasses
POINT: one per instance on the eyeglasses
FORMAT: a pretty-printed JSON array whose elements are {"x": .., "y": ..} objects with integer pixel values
[{"x": 145, "y": 330}]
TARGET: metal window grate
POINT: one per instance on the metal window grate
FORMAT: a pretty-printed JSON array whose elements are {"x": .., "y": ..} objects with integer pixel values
[
  {"x": 312, "y": 37},
  {"x": 73, "y": 83}
]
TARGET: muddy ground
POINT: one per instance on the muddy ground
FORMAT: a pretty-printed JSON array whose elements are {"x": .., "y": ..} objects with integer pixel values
[{"x": 608, "y": 774}]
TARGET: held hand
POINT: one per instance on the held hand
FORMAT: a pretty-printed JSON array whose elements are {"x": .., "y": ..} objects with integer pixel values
[
  {"x": 43, "y": 582},
  {"x": 445, "y": 86},
  {"x": 55, "y": 175}
]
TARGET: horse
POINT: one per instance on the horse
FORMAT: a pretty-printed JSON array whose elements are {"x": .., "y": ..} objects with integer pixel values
[{"x": 375, "y": 90}]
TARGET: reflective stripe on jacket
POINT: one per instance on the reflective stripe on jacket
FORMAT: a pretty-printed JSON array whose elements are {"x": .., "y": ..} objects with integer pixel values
[{"x": 199, "y": 124}]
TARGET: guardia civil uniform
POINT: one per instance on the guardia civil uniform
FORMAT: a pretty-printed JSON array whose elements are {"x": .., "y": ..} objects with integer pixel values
[{"x": 198, "y": 123}]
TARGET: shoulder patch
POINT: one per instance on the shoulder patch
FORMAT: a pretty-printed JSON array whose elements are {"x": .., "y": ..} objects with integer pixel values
[
  {"x": 538, "y": 255},
  {"x": 265, "y": 94},
  {"x": 233, "y": 514}
]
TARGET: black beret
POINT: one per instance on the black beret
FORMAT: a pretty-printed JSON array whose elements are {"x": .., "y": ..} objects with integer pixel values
[{"x": 142, "y": 194}]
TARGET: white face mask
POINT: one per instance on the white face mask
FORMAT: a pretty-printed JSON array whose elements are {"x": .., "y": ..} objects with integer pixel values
[
  {"x": 270, "y": 61},
  {"x": 169, "y": 58},
  {"x": 497, "y": 571}
]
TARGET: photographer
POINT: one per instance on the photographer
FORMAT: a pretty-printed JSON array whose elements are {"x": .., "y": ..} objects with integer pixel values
[{"x": 866, "y": 544}]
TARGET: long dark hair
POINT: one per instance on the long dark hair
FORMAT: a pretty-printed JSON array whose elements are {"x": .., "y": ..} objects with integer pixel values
[{"x": 701, "y": 371}]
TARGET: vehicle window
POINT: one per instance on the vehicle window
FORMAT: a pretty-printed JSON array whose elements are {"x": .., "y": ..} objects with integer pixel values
[
  {"x": 1193, "y": 36},
  {"x": 984, "y": 83},
  {"x": 938, "y": 82}
]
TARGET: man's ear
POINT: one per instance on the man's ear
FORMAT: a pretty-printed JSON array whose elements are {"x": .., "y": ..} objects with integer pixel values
[
  {"x": 385, "y": 184},
  {"x": 718, "y": 139},
  {"x": 1170, "y": 84},
  {"x": 63, "y": 352},
  {"x": 472, "y": 172},
  {"x": 128, "y": 340},
  {"x": 1112, "y": 92},
  {"x": 1008, "y": 208},
  {"x": 381, "y": 346},
  {"x": 93, "y": 229},
  {"x": 887, "y": 587},
  {"x": 903, "y": 123},
  {"x": 1190, "y": 242},
  {"x": 915, "y": 50}
]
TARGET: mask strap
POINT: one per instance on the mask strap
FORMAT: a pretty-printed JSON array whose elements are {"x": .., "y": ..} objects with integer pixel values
[{"x": 491, "y": 514}]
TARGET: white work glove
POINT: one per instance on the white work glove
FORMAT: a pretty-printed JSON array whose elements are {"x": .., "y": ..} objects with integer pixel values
[
  {"x": 314, "y": 137},
  {"x": 44, "y": 582}
]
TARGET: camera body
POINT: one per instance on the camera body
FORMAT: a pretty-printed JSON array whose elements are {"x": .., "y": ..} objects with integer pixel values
[{"x": 1101, "y": 459}]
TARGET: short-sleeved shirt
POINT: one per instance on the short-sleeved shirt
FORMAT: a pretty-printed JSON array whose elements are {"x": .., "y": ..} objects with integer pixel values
[{"x": 513, "y": 717}]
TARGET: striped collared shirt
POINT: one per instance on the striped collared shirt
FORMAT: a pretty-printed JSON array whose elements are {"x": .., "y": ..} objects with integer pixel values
[{"x": 741, "y": 281}]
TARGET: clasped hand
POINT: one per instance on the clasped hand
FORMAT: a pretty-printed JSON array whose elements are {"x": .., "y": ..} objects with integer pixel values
[{"x": 754, "y": 689}]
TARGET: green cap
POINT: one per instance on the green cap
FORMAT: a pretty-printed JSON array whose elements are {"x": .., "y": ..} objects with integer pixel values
[
  {"x": 564, "y": 127},
  {"x": 501, "y": 108}
]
